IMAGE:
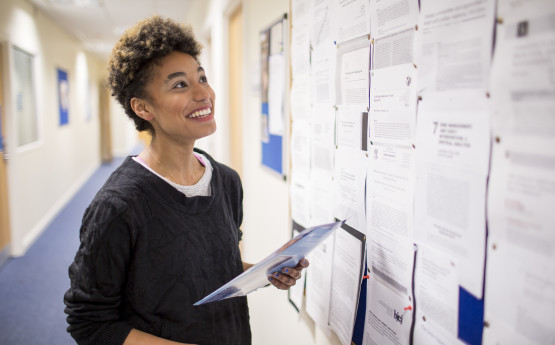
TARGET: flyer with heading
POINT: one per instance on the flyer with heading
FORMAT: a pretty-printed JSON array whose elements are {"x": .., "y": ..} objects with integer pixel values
[{"x": 288, "y": 255}]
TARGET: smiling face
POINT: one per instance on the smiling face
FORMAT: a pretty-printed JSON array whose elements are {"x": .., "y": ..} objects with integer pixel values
[{"x": 180, "y": 103}]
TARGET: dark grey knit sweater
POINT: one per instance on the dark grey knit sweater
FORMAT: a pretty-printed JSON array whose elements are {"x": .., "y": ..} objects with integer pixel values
[{"x": 148, "y": 253}]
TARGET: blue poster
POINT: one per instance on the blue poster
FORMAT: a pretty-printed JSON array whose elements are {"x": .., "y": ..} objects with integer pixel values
[{"x": 63, "y": 97}]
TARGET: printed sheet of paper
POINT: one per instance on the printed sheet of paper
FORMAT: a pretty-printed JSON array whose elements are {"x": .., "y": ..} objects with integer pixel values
[
  {"x": 353, "y": 62},
  {"x": 300, "y": 199},
  {"x": 300, "y": 147},
  {"x": 300, "y": 50},
  {"x": 300, "y": 98},
  {"x": 388, "y": 316},
  {"x": 454, "y": 44},
  {"x": 322, "y": 146},
  {"x": 301, "y": 9},
  {"x": 323, "y": 73},
  {"x": 348, "y": 192},
  {"x": 452, "y": 141},
  {"x": 389, "y": 202},
  {"x": 392, "y": 16},
  {"x": 392, "y": 115},
  {"x": 352, "y": 128},
  {"x": 395, "y": 49},
  {"x": 321, "y": 202},
  {"x": 318, "y": 283},
  {"x": 323, "y": 29},
  {"x": 345, "y": 282},
  {"x": 521, "y": 195},
  {"x": 436, "y": 290},
  {"x": 353, "y": 19}
]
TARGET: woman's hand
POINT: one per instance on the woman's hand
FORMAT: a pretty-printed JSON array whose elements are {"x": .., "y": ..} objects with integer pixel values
[{"x": 288, "y": 276}]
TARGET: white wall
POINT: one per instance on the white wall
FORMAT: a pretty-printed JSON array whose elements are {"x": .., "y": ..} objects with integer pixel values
[{"x": 43, "y": 176}]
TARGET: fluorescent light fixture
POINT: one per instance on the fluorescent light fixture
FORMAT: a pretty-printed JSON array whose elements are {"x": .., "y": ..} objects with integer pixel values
[{"x": 78, "y": 3}]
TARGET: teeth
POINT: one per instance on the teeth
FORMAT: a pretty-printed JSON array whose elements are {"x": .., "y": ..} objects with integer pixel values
[{"x": 201, "y": 113}]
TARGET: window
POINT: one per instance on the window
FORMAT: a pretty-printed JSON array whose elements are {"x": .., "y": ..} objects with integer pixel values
[{"x": 24, "y": 91}]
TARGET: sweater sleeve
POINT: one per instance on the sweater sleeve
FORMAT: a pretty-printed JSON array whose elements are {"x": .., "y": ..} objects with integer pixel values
[{"x": 98, "y": 275}]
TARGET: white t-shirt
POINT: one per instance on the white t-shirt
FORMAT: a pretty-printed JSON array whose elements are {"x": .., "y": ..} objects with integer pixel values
[{"x": 201, "y": 188}]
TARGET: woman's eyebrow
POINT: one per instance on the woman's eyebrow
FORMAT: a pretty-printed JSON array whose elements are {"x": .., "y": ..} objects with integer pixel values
[{"x": 176, "y": 74}]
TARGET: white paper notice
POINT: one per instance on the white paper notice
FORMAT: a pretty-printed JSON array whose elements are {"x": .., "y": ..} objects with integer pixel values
[
  {"x": 437, "y": 289},
  {"x": 323, "y": 138},
  {"x": 353, "y": 77},
  {"x": 300, "y": 199},
  {"x": 349, "y": 182},
  {"x": 389, "y": 202},
  {"x": 323, "y": 74},
  {"x": 388, "y": 316},
  {"x": 300, "y": 148},
  {"x": 351, "y": 132},
  {"x": 454, "y": 44},
  {"x": 393, "y": 50},
  {"x": 321, "y": 203},
  {"x": 345, "y": 284},
  {"x": 392, "y": 16},
  {"x": 392, "y": 116},
  {"x": 322, "y": 21},
  {"x": 353, "y": 19},
  {"x": 276, "y": 88},
  {"x": 300, "y": 50},
  {"x": 300, "y": 98},
  {"x": 318, "y": 283}
]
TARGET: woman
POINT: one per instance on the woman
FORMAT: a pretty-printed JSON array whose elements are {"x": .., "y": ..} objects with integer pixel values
[{"x": 163, "y": 231}]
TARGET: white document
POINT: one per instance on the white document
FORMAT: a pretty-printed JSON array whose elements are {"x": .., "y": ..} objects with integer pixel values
[
  {"x": 318, "y": 283},
  {"x": 323, "y": 29},
  {"x": 428, "y": 333},
  {"x": 348, "y": 192},
  {"x": 388, "y": 316},
  {"x": 390, "y": 219},
  {"x": 353, "y": 19},
  {"x": 300, "y": 50},
  {"x": 322, "y": 146},
  {"x": 454, "y": 44},
  {"x": 522, "y": 87},
  {"x": 321, "y": 202},
  {"x": 300, "y": 98},
  {"x": 345, "y": 284},
  {"x": 449, "y": 215},
  {"x": 454, "y": 130},
  {"x": 300, "y": 148},
  {"x": 350, "y": 130},
  {"x": 395, "y": 49},
  {"x": 353, "y": 73},
  {"x": 323, "y": 74},
  {"x": 437, "y": 289},
  {"x": 390, "y": 16},
  {"x": 276, "y": 89},
  {"x": 301, "y": 11},
  {"x": 300, "y": 199},
  {"x": 392, "y": 115}
]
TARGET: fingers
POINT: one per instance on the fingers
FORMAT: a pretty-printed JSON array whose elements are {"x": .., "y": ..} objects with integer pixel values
[{"x": 288, "y": 275}]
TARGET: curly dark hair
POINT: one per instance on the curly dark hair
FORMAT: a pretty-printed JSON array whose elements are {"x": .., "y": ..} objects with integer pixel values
[{"x": 138, "y": 50}]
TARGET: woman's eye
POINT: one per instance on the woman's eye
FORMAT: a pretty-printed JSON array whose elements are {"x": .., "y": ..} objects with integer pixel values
[
  {"x": 180, "y": 85},
  {"x": 203, "y": 79}
]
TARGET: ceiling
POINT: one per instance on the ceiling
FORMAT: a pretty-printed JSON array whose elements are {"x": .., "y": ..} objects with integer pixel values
[{"x": 99, "y": 23}]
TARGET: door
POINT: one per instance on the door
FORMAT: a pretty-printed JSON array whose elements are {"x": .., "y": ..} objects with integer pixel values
[
  {"x": 4, "y": 209},
  {"x": 236, "y": 88}
]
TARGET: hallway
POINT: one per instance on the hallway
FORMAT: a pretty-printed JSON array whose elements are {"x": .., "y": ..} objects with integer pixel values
[{"x": 32, "y": 286}]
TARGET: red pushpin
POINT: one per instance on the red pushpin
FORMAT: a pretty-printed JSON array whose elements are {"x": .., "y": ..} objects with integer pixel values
[
  {"x": 408, "y": 308},
  {"x": 366, "y": 277}
]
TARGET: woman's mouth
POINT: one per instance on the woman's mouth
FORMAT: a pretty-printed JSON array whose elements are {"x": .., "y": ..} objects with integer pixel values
[{"x": 199, "y": 114}]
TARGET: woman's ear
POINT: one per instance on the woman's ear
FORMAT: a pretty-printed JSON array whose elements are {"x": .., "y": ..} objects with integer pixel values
[{"x": 141, "y": 108}]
